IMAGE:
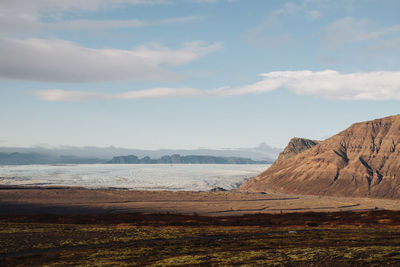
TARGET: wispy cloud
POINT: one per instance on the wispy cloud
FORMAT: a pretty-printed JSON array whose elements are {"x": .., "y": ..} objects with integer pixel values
[
  {"x": 350, "y": 40},
  {"x": 379, "y": 85},
  {"x": 162, "y": 92},
  {"x": 79, "y": 25},
  {"x": 305, "y": 9},
  {"x": 62, "y": 61},
  {"x": 14, "y": 25},
  {"x": 54, "y": 9},
  {"x": 26, "y": 17},
  {"x": 51, "y": 6},
  {"x": 350, "y": 30},
  {"x": 387, "y": 45},
  {"x": 63, "y": 95},
  {"x": 314, "y": 13},
  {"x": 274, "y": 31}
]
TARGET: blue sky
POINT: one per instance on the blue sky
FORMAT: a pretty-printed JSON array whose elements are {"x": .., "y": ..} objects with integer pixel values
[{"x": 194, "y": 73}]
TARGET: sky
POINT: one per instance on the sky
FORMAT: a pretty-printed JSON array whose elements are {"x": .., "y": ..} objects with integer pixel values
[{"x": 186, "y": 74}]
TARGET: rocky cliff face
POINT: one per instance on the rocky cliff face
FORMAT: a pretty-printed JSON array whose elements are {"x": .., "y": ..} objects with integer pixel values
[
  {"x": 296, "y": 145},
  {"x": 361, "y": 161}
]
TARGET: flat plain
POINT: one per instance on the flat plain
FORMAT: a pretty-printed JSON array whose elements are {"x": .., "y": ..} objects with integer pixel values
[
  {"x": 81, "y": 227},
  {"x": 79, "y": 200}
]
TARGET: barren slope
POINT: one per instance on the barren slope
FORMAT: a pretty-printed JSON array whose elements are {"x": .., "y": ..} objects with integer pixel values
[{"x": 362, "y": 161}]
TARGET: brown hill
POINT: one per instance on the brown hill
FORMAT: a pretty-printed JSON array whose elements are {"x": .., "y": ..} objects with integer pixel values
[{"x": 361, "y": 161}]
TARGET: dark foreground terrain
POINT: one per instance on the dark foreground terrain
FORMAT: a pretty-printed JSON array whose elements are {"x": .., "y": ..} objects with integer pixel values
[{"x": 295, "y": 239}]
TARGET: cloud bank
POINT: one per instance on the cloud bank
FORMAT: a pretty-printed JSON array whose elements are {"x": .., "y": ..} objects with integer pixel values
[
  {"x": 63, "y": 61},
  {"x": 378, "y": 85}
]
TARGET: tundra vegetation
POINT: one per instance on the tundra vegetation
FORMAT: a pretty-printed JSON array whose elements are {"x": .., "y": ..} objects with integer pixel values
[{"x": 336, "y": 239}]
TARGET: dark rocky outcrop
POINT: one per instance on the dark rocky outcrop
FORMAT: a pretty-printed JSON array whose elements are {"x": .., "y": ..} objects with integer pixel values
[
  {"x": 296, "y": 145},
  {"x": 218, "y": 189},
  {"x": 361, "y": 161}
]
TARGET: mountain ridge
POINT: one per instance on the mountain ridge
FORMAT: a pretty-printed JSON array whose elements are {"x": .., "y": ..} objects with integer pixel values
[
  {"x": 178, "y": 159},
  {"x": 295, "y": 146},
  {"x": 360, "y": 161},
  {"x": 260, "y": 152},
  {"x": 17, "y": 158}
]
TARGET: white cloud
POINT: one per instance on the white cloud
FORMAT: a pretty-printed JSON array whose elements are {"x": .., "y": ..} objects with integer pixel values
[
  {"x": 62, "y": 61},
  {"x": 379, "y": 85}
]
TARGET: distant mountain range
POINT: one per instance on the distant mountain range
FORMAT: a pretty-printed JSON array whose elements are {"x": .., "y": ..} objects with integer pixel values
[
  {"x": 178, "y": 159},
  {"x": 89, "y": 155},
  {"x": 17, "y": 158}
]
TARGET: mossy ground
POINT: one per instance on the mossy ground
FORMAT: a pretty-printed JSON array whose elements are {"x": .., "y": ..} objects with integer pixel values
[{"x": 131, "y": 244}]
